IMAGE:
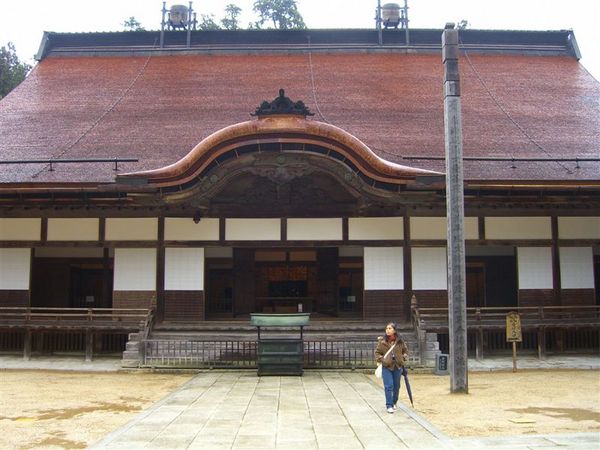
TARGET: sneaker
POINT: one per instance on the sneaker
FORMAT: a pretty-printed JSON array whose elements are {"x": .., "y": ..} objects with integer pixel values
[
  {"x": 390, "y": 410},
  {"x": 395, "y": 407}
]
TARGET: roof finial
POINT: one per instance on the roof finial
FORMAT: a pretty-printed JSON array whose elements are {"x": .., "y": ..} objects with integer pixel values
[{"x": 282, "y": 105}]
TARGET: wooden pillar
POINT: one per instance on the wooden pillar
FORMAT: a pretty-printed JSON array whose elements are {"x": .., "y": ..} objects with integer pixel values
[
  {"x": 560, "y": 340},
  {"x": 160, "y": 270},
  {"x": 457, "y": 309},
  {"x": 556, "y": 283},
  {"x": 89, "y": 344},
  {"x": 407, "y": 263},
  {"x": 106, "y": 279},
  {"x": 27, "y": 345},
  {"x": 107, "y": 273},
  {"x": 44, "y": 230},
  {"x": 541, "y": 343},
  {"x": 479, "y": 344}
]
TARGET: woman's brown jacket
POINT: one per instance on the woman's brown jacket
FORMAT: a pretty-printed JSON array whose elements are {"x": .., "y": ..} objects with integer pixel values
[{"x": 400, "y": 353}]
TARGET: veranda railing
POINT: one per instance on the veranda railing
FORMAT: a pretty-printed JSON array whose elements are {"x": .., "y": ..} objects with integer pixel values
[
  {"x": 41, "y": 317},
  {"x": 544, "y": 327}
]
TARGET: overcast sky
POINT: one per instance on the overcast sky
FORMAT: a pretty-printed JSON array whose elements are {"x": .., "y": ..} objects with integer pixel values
[{"x": 23, "y": 23}]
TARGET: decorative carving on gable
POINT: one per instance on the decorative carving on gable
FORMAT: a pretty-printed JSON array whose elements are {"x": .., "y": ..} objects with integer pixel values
[
  {"x": 282, "y": 105},
  {"x": 316, "y": 193},
  {"x": 281, "y": 175}
]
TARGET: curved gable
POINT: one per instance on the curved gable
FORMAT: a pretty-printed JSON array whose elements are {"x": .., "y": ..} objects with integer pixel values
[{"x": 272, "y": 133}]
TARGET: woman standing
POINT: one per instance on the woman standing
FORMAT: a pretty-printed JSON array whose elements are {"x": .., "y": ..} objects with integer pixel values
[{"x": 391, "y": 353}]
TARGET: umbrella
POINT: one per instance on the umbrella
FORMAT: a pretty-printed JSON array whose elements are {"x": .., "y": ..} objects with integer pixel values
[{"x": 406, "y": 382}]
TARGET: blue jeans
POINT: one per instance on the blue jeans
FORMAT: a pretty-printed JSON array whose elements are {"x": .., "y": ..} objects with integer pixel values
[{"x": 391, "y": 385}]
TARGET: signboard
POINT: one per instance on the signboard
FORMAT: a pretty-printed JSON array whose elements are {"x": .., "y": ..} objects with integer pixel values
[
  {"x": 513, "y": 334},
  {"x": 513, "y": 327},
  {"x": 441, "y": 364}
]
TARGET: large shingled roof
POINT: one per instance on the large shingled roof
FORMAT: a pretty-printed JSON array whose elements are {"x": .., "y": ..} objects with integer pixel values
[{"x": 524, "y": 95}]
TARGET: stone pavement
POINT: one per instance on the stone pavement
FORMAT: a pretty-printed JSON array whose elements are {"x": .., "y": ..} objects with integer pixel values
[
  {"x": 238, "y": 410},
  {"x": 321, "y": 410}
]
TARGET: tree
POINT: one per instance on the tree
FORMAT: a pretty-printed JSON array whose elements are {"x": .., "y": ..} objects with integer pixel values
[
  {"x": 12, "y": 71},
  {"x": 207, "y": 22},
  {"x": 283, "y": 13},
  {"x": 463, "y": 24},
  {"x": 232, "y": 12},
  {"x": 132, "y": 24}
]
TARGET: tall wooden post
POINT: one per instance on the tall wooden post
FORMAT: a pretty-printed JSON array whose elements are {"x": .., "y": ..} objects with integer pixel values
[{"x": 457, "y": 309}]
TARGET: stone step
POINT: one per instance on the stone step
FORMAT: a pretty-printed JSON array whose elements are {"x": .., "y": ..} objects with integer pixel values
[
  {"x": 132, "y": 346},
  {"x": 409, "y": 338},
  {"x": 130, "y": 363},
  {"x": 241, "y": 326},
  {"x": 133, "y": 336},
  {"x": 131, "y": 354}
]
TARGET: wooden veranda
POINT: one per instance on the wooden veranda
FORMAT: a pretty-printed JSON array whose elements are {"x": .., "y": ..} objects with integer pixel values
[{"x": 91, "y": 322}]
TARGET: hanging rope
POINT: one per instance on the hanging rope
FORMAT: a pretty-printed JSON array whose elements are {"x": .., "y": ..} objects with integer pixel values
[{"x": 312, "y": 82}]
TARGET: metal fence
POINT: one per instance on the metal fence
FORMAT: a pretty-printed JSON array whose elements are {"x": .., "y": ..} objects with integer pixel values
[{"x": 243, "y": 354}]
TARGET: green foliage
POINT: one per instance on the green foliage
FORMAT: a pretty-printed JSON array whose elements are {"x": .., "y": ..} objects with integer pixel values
[
  {"x": 463, "y": 24},
  {"x": 232, "y": 12},
  {"x": 132, "y": 24},
  {"x": 283, "y": 14},
  {"x": 207, "y": 22},
  {"x": 12, "y": 71}
]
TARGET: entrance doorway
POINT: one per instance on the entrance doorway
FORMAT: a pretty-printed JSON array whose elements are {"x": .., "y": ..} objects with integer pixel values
[
  {"x": 491, "y": 277},
  {"x": 283, "y": 280},
  {"x": 475, "y": 284}
]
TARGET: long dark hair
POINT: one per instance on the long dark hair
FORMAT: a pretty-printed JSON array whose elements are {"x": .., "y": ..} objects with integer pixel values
[{"x": 395, "y": 327}]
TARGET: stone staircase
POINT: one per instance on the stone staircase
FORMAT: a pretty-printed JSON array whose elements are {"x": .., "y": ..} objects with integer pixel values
[
  {"x": 131, "y": 355},
  {"x": 429, "y": 348}
]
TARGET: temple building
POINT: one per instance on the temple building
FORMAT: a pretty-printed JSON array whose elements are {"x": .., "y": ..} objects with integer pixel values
[{"x": 282, "y": 171}]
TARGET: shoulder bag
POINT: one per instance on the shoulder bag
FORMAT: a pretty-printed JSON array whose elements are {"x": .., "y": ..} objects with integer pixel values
[{"x": 379, "y": 370}]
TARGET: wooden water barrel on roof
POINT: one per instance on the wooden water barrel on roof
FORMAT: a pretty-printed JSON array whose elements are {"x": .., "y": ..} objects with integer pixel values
[
  {"x": 178, "y": 16},
  {"x": 390, "y": 14}
]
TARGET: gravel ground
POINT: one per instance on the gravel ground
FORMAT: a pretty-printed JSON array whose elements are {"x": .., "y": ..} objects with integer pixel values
[
  {"x": 507, "y": 403},
  {"x": 51, "y": 409}
]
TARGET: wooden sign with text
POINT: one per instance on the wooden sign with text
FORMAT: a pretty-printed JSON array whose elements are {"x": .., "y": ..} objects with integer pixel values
[{"x": 513, "y": 327}]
